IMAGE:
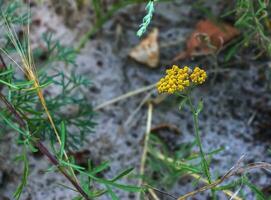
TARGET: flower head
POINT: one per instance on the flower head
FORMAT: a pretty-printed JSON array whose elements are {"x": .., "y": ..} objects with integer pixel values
[
  {"x": 178, "y": 79},
  {"x": 198, "y": 76}
]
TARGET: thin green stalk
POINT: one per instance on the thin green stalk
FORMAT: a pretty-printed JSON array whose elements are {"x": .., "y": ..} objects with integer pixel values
[{"x": 199, "y": 143}]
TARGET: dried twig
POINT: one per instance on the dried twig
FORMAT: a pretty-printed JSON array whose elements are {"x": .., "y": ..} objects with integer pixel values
[
  {"x": 153, "y": 194},
  {"x": 125, "y": 96},
  {"x": 196, "y": 176},
  {"x": 161, "y": 192},
  {"x": 141, "y": 104},
  {"x": 233, "y": 171},
  {"x": 166, "y": 126},
  {"x": 145, "y": 148}
]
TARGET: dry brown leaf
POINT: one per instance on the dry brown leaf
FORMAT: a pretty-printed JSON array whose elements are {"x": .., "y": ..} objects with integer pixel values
[
  {"x": 208, "y": 38},
  {"x": 147, "y": 51}
]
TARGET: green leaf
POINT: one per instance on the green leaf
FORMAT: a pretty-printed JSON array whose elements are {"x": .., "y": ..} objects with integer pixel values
[
  {"x": 122, "y": 174},
  {"x": 229, "y": 186},
  {"x": 24, "y": 83},
  {"x": 19, "y": 190},
  {"x": 78, "y": 198},
  {"x": 129, "y": 188},
  {"x": 6, "y": 72},
  {"x": 12, "y": 125},
  {"x": 199, "y": 107},
  {"x": 97, "y": 193},
  {"x": 52, "y": 169},
  {"x": 98, "y": 9},
  {"x": 9, "y": 84},
  {"x": 74, "y": 166},
  {"x": 182, "y": 103},
  {"x": 63, "y": 139},
  {"x": 100, "y": 168},
  {"x": 231, "y": 52},
  {"x": 111, "y": 193},
  {"x": 32, "y": 147},
  {"x": 256, "y": 190}
]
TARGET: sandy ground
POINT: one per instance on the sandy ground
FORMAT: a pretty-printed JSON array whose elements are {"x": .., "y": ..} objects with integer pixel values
[{"x": 231, "y": 99}]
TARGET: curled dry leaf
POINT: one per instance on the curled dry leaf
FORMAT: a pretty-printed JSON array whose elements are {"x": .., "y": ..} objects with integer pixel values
[
  {"x": 208, "y": 38},
  {"x": 147, "y": 51}
]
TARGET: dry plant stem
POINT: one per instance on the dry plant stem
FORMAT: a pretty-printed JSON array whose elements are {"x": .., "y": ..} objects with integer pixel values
[
  {"x": 234, "y": 171},
  {"x": 165, "y": 126},
  {"x": 145, "y": 148},
  {"x": 196, "y": 176},
  {"x": 161, "y": 192},
  {"x": 133, "y": 114},
  {"x": 42, "y": 148},
  {"x": 125, "y": 96},
  {"x": 227, "y": 192},
  {"x": 55, "y": 162},
  {"x": 153, "y": 194},
  {"x": 31, "y": 76}
]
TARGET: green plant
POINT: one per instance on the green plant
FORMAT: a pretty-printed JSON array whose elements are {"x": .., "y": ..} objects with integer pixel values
[
  {"x": 179, "y": 81},
  {"x": 252, "y": 18},
  {"x": 165, "y": 167},
  {"x": 39, "y": 116}
]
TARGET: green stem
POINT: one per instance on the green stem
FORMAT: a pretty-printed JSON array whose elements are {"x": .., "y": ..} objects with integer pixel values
[{"x": 199, "y": 143}]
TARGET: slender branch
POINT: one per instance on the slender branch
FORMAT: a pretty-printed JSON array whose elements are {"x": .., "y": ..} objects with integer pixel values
[
  {"x": 42, "y": 148},
  {"x": 153, "y": 194},
  {"x": 162, "y": 157},
  {"x": 233, "y": 171},
  {"x": 145, "y": 148},
  {"x": 54, "y": 161},
  {"x": 161, "y": 192},
  {"x": 198, "y": 140},
  {"x": 3, "y": 66},
  {"x": 124, "y": 96}
]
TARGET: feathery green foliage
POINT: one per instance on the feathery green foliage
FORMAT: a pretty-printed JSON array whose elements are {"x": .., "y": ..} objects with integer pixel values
[
  {"x": 253, "y": 19},
  {"x": 65, "y": 100},
  {"x": 147, "y": 19}
]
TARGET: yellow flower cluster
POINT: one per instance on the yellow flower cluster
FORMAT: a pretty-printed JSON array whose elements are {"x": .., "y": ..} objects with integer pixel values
[
  {"x": 177, "y": 79},
  {"x": 198, "y": 76}
]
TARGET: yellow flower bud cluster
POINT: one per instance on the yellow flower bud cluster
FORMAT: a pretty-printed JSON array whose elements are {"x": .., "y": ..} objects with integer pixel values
[
  {"x": 177, "y": 79},
  {"x": 198, "y": 76}
]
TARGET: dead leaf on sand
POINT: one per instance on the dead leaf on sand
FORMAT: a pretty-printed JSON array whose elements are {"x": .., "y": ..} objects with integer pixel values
[
  {"x": 208, "y": 38},
  {"x": 147, "y": 51}
]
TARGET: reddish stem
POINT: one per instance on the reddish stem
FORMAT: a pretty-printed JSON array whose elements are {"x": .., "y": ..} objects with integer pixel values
[{"x": 42, "y": 148}]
